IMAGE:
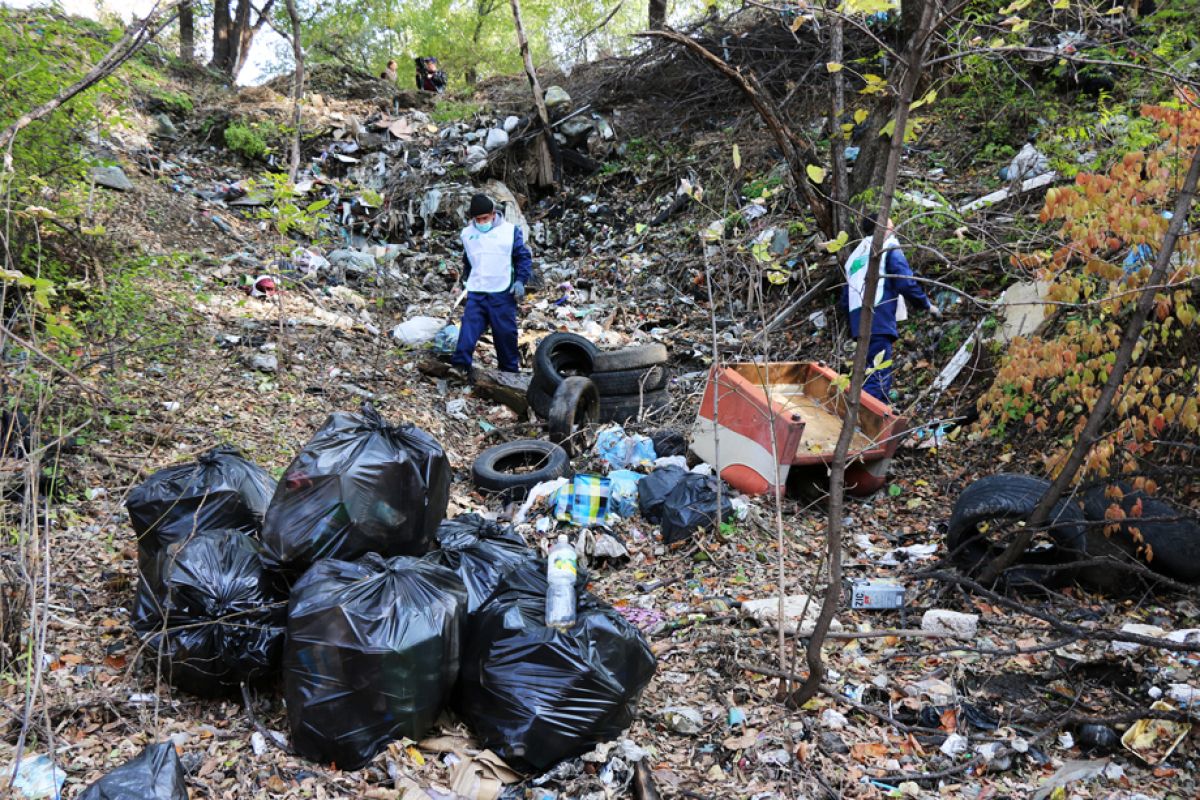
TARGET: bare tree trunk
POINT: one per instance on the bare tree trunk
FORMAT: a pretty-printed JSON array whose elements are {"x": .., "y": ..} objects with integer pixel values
[
  {"x": 246, "y": 33},
  {"x": 837, "y": 142},
  {"x": 871, "y": 163},
  {"x": 297, "y": 89},
  {"x": 221, "y": 60},
  {"x": 1100, "y": 411},
  {"x": 136, "y": 36},
  {"x": 837, "y": 479},
  {"x": 658, "y": 15},
  {"x": 545, "y": 172},
  {"x": 187, "y": 31}
]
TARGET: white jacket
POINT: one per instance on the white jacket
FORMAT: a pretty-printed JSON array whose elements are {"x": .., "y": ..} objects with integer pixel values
[
  {"x": 856, "y": 275},
  {"x": 490, "y": 255}
]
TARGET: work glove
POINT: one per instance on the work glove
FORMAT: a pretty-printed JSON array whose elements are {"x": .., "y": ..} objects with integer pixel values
[
  {"x": 517, "y": 291},
  {"x": 935, "y": 311}
]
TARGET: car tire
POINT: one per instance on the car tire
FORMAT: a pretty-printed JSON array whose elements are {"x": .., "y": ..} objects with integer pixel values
[
  {"x": 996, "y": 499},
  {"x": 639, "y": 357},
  {"x": 1170, "y": 534},
  {"x": 630, "y": 381},
  {"x": 492, "y": 472},
  {"x": 559, "y": 356},
  {"x": 626, "y": 407},
  {"x": 574, "y": 406}
]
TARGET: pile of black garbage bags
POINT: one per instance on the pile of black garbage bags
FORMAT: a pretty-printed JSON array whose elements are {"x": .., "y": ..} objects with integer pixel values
[{"x": 345, "y": 579}]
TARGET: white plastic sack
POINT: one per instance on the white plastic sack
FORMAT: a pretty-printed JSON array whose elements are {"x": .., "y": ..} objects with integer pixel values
[
  {"x": 417, "y": 331},
  {"x": 496, "y": 138}
]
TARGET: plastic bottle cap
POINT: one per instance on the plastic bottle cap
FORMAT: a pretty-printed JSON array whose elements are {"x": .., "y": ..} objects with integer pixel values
[{"x": 562, "y": 539}]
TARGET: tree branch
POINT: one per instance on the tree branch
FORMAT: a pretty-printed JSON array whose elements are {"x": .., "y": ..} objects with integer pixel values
[{"x": 136, "y": 37}]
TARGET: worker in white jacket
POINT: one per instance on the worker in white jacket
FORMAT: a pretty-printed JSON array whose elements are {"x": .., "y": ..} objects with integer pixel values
[{"x": 496, "y": 268}]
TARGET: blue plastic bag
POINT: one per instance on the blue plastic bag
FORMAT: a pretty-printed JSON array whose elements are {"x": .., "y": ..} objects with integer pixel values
[
  {"x": 623, "y": 497},
  {"x": 621, "y": 450}
]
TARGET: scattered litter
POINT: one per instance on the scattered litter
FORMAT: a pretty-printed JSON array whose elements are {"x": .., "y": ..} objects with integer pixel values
[
  {"x": 954, "y": 745},
  {"x": 954, "y": 623},
  {"x": 621, "y": 450},
  {"x": 481, "y": 777},
  {"x": 766, "y": 612},
  {"x": 682, "y": 719},
  {"x": 37, "y": 777},
  {"x": 1068, "y": 773},
  {"x": 876, "y": 595},
  {"x": 623, "y": 492},
  {"x": 1153, "y": 740},
  {"x": 419, "y": 330},
  {"x": 583, "y": 501}
]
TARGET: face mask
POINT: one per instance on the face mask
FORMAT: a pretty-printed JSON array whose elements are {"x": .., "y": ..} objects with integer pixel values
[{"x": 483, "y": 227}]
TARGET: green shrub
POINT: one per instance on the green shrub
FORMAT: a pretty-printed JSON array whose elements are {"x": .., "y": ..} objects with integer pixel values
[{"x": 246, "y": 140}]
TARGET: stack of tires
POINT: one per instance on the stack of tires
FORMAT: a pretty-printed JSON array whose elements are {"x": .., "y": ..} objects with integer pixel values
[{"x": 628, "y": 382}]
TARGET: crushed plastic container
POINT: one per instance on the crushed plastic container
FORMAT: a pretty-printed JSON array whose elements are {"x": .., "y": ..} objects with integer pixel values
[
  {"x": 372, "y": 654},
  {"x": 536, "y": 695},
  {"x": 359, "y": 486},
  {"x": 215, "y": 621}
]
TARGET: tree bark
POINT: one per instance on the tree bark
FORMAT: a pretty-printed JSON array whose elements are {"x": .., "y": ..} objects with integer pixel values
[
  {"x": 837, "y": 479},
  {"x": 545, "y": 162},
  {"x": 658, "y": 15},
  {"x": 136, "y": 36},
  {"x": 187, "y": 32},
  {"x": 837, "y": 142},
  {"x": 1121, "y": 364},
  {"x": 246, "y": 33},
  {"x": 222, "y": 23},
  {"x": 297, "y": 89},
  {"x": 873, "y": 149}
]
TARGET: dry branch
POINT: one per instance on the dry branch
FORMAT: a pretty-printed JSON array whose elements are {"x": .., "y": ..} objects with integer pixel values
[{"x": 797, "y": 153}]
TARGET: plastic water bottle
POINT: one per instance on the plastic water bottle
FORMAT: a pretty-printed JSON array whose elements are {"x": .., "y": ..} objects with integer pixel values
[{"x": 561, "y": 571}]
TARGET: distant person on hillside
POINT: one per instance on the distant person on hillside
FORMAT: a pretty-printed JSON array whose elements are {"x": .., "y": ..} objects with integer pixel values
[
  {"x": 895, "y": 285},
  {"x": 496, "y": 268},
  {"x": 430, "y": 77},
  {"x": 391, "y": 73}
]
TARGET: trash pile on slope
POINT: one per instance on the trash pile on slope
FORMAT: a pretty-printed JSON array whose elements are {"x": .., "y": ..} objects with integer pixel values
[{"x": 383, "y": 632}]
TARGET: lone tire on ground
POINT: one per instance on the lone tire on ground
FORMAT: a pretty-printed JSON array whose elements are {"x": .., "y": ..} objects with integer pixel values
[
  {"x": 513, "y": 468},
  {"x": 575, "y": 405},
  {"x": 987, "y": 513},
  {"x": 639, "y": 357}
]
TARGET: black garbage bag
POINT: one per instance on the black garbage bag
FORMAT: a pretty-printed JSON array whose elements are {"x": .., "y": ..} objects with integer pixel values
[
  {"x": 480, "y": 551},
  {"x": 653, "y": 490},
  {"x": 372, "y": 654},
  {"x": 221, "y": 489},
  {"x": 155, "y": 774},
  {"x": 216, "y": 621},
  {"x": 692, "y": 506},
  {"x": 359, "y": 486},
  {"x": 536, "y": 695}
]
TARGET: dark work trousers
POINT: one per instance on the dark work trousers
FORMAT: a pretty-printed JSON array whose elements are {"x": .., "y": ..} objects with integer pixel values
[
  {"x": 495, "y": 310},
  {"x": 879, "y": 382}
]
